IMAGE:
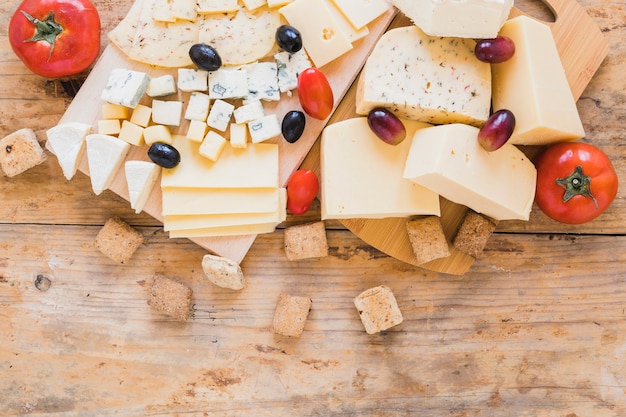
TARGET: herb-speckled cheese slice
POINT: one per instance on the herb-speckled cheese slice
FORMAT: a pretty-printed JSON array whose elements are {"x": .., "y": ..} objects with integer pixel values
[
  {"x": 429, "y": 79},
  {"x": 123, "y": 34},
  {"x": 240, "y": 38}
]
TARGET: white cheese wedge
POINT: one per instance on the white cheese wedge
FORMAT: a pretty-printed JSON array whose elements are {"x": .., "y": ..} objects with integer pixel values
[
  {"x": 105, "y": 155},
  {"x": 449, "y": 160},
  {"x": 322, "y": 37},
  {"x": 215, "y": 201},
  {"x": 362, "y": 12},
  {"x": 255, "y": 166},
  {"x": 67, "y": 142},
  {"x": 457, "y": 18},
  {"x": 362, "y": 175},
  {"x": 141, "y": 176},
  {"x": 125, "y": 87},
  {"x": 418, "y": 77},
  {"x": 533, "y": 85}
]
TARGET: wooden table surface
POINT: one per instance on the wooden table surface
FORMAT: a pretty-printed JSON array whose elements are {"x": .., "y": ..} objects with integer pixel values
[{"x": 537, "y": 327}]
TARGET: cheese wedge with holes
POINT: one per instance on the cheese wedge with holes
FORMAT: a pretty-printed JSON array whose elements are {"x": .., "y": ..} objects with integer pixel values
[
  {"x": 429, "y": 79},
  {"x": 533, "y": 85},
  {"x": 105, "y": 156},
  {"x": 449, "y": 160}
]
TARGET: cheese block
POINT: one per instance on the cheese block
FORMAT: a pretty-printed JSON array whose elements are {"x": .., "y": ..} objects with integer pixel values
[
  {"x": 209, "y": 201},
  {"x": 253, "y": 166},
  {"x": 125, "y": 87},
  {"x": 344, "y": 24},
  {"x": 533, "y": 85},
  {"x": 239, "y": 230},
  {"x": 105, "y": 155},
  {"x": 141, "y": 176},
  {"x": 465, "y": 18},
  {"x": 67, "y": 142},
  {"x": 429, "y": 79},
  {"x": 362, "y": 175},
  {"x": 449, "y": 160},
  {"x": 361, "y": 12}
]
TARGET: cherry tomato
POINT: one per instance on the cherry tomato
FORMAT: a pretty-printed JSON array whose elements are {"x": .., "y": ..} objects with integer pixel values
[
  {"x": 315, "y": 94},
  {"x": 302, "y": 188},
  {"x": 576, "y": 182},
  {"x": 56, "y": 38}
]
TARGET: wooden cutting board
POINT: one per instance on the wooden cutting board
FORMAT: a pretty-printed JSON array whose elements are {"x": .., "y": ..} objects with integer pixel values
[{"x": 582, "y": 48}]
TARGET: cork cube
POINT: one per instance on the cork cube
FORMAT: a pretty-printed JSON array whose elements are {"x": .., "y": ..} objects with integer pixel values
[
  {"x": 305, "y": 241},
  {"x": 473, "y": 234},
  {"x": 427, "y": 238},
  {"x": 170, "y": 297},
  {"x": 378, "y": 309},
  {"x": 118, "y": 241},
  {"x": 290, "y": 315},
  {"x": 20, "y": 151}
]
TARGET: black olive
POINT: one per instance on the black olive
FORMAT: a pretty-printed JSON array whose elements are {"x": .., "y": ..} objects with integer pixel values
[
  {"x": 288, "y": 38},
  {"x": 164, "y": 155},
  {"x": 205, "y": 57},
  {"x": 293, "y": 125}
]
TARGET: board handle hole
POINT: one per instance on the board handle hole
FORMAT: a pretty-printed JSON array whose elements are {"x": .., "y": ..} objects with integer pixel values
[{"x": 538, "y": 9}]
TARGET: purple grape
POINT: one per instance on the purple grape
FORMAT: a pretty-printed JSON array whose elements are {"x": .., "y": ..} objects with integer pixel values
[
  {"x": 497, "y": 130},
  {"x": 386, "y": 126},
  {"x": 494, "y": 51}
]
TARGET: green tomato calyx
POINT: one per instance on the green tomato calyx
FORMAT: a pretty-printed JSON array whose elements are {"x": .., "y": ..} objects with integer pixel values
[
  {"x": 47, "y": 30},
  {"x": 577, "y": 183}
]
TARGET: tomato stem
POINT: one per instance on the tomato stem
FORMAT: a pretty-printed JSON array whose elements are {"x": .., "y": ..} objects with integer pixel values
[
  {"x": 577, "y": 183},
  {"x": 46, "y": 30}
]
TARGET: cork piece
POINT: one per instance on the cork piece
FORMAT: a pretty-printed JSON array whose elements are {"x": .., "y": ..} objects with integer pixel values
[
  {"x": 118, "y": 240},
  {"x": 378, "y": 309},
  {"x": 306, "y": 241},
  {"x": 170, "y": 297},
  {"x": 223, "y": 272},
  {"x": 290, "y": 315},
  {"x": 427, "y": 238},
  {"x": 19, "y": 152},
  {"x": 473, "y": 234}
]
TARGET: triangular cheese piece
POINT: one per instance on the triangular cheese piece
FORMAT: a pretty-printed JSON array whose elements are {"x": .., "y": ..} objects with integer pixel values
[
  {"x": 140, "y": 178},
  {"x": 105, "y": 155},
  {"x": 67, "y": 142}
]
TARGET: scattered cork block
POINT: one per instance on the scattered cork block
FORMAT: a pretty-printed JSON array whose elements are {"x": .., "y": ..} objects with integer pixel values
[
  {"x": 305, "y": 241},
  {"x": 118, "y": 240},
  {"x": 473, "y": 234},
  {"x": 290, "y": 315},
  {"x": 427, "y": 238},
  {"x": 378, "y": 309},
  {"x": 223, "y": 272},
  {"x": 20, "y": 151},
  {"x": 170, "y": 297}
]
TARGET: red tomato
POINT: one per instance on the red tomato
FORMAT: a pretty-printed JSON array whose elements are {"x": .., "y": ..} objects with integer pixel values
[
  {"x": 576, "y": 182},
  {"x": 302, "y": 189},
  {"x": 56, "y": 38},
  {"x": 315, "y": 94}
]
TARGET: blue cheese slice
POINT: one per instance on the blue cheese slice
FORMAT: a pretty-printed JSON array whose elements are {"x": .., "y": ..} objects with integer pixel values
[
  {"x": 105, "y": 155},
  {"x": 190, "y": 79},
  {"x": 289, "y": 67},
  {"x": 424, "y": 78},
  {"x": 228, "y": 83},
  {"x": 220, "y": 114},
  {"x": 262, "y": 81},
  {"x": 264, "y": 128},
  {"x": 125, "y": 87}
]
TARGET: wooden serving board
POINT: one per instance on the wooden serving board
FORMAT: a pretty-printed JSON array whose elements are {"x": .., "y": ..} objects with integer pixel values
[
  {"x": 582, "y": 48},
  {"x": 86, "y": 108}
]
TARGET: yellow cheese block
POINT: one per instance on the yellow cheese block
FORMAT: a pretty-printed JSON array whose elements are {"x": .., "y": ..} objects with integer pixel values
[
  {"x": 208, "y": 201},
  {"x": 533, "y": 85},
  {"x": 362, "y": 175},
  {"x": 255, "y": 166}
]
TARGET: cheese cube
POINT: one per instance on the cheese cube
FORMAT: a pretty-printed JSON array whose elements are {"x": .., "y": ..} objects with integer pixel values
[
  {"x": 184, "y": 9},
  {"x": 464, "y": 19},
  {"x": 141, "y": 115},
  {"x": 161, "y": 86},
  {"x": 363, "y": 175},
  {"x": 448, "y": 160},
  {"x": 220, "y": 114},
  {"x": 198, "y": 107},
  {"x": 322, "y": 37},
  {"x": 131, "y": 133},
  {"x": 141, "y": 176},
  {"x": 162, "y": 12},
  {"x": 167, "y": 112},
  {"x": 157, "y": 133},
  {"x": 192, "y": 79},
  {"x": 251, "y": 111},
  {"x": 197, "y": 130},
  {"x": 264, "y": 128},
  {"x": 115, "y": 111},
  {"x": 238, "y": 135},
  {"x": 289, "y": 66},
  {"x": 429, "y": 79},
  {"x": 533, "y": 85},
  {"x": 125, "y": 87},
  {"x": 217, "y": 6},
  {"x": 212, "y": 145},
  {"x": 263, "y": 81},
  {"x": 105, "y": 155},
  {"x": 109, "y": 127},
  {"x": 228, "y": 83}
]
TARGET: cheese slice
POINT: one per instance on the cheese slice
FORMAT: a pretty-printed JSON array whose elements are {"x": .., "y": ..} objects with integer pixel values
[
  {"x": 184, "y": 9},
  {"x": 362, "y": 12},
  {"x": 203, "y": 201},
  {"x": 67, "y": 142},
  {"x": 162, "y": 11},
  {"x": 363, "y": 175},
  {"x": 466, "y": 18},
  {"x": 449, "y": 160},
  {"x": 242, "y": 230},
  {"x": 533, "y": 85},
  {"x": 344, "y": 24},
  {"x": 429, "y": 79},
  {"x": 123, "y": 34},
  {"x": 255, "y": 166},
  {"x": 141, "y": 176},
  {"x": 105, "y": 155}
]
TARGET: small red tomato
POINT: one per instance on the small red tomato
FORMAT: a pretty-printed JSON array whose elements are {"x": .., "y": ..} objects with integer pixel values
[
  {"x": 315, "y": 94},
  {"x": 576, "y": 182},
  {"x": 302, "y": 188}
]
